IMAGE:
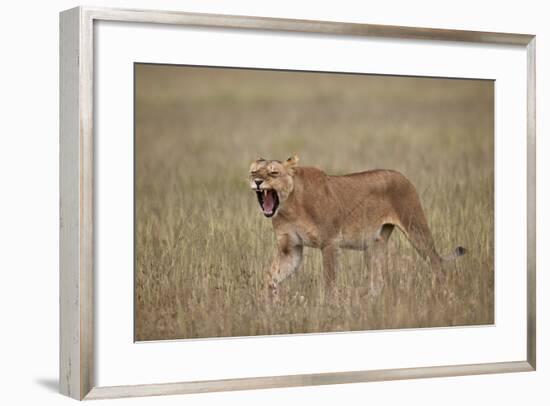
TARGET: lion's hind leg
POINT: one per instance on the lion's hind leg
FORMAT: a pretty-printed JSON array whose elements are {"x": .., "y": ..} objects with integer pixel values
[
  {"x": 377, "y": 252},
  {"x": 415, "y": 228}
]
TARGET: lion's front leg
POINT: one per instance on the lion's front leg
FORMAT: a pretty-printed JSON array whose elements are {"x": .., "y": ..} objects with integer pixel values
[{"x": 287, "y": 260}]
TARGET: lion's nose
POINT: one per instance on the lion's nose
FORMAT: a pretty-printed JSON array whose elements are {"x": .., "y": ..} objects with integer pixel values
[{"x": 258, "y": 183}]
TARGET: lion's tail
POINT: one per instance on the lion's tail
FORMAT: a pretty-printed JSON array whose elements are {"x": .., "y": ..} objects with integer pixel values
[{"x": 458, "y": 252}]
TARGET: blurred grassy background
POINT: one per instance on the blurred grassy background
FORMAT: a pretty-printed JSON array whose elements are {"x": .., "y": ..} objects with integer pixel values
[{"x": 203, "y": 248}]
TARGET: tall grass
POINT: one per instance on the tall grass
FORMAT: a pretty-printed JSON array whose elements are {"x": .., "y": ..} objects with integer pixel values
[{"x": 203, "y": 248}]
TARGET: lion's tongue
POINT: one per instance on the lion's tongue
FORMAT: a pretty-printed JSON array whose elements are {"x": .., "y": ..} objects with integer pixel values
[{"x": 269, "y": 202}]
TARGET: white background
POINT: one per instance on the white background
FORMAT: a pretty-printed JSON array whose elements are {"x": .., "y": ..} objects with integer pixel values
[
  {"x": 29, "y": 203},
  {"x": 119, "y": 45}
]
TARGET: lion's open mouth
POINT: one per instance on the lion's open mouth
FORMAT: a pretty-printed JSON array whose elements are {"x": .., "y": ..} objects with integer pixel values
[{"x": 269, "y": 201}]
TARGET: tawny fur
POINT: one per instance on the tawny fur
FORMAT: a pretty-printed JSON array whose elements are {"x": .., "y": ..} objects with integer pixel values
[{"x": 356, "y": 211}]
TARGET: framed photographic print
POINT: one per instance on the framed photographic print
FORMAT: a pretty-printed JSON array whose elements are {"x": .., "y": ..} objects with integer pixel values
[{"x": 251, "y": 202}]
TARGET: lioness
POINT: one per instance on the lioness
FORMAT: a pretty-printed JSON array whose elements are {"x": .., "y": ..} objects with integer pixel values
[{"x": 357, "y": 211}]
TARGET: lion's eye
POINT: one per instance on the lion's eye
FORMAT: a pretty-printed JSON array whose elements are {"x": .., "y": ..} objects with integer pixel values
[{"x": 274, "y": 173}]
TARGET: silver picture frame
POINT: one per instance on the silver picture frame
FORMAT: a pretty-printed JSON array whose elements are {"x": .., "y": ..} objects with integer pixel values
[{"x": 76, "y": 374}]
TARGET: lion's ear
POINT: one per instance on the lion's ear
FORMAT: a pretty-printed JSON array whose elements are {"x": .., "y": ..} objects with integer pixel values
[{"x": 291, "y": 162}]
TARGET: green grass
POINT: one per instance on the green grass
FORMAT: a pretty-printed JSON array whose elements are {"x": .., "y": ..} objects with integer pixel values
[{"x": 203, "y": 248}]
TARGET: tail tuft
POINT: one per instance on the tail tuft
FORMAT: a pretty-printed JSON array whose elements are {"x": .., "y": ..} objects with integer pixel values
[{"x": 459, "y": 251}]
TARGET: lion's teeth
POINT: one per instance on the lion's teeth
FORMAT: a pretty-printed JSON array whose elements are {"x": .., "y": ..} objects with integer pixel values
[{"x": 265, "y": 192}]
